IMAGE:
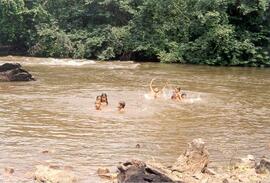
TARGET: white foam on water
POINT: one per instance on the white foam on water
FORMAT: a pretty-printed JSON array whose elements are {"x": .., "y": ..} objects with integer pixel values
[
  {"x": 192, "y": 100},
  {"x": 148, "y": 97},
  {"x": 193, "y": 97},
  {"x": 122, "y": 66},
  {"x": 48, "y": 61},
  {"x": 66, "y": 62}
]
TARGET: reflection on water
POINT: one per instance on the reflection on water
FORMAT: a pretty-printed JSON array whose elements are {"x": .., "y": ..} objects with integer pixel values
[{"x": 228, "y": 107}]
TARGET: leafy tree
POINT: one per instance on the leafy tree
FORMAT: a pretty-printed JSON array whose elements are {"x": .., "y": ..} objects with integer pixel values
[
  {"x": 214, "y": 32},
  {"x": 11, "y": 21}
]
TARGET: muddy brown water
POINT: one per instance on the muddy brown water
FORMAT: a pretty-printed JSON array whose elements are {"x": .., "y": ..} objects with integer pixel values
[{"x": 229, "y": 107}]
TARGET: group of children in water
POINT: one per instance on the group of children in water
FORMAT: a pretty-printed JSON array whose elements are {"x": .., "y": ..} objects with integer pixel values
[
  {"x": 102, "y": 101},
  {"x": 177, "y": 95}
]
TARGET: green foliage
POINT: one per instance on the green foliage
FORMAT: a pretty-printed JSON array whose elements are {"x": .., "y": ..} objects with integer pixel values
[
  {"x": 213, "y": 32},
  {"x": 11, "y": 20},
  {"x": 52, "y": 42}
]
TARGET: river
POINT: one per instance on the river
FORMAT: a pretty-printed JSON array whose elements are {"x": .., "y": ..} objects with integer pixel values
[{"x": 229, "y": 107}]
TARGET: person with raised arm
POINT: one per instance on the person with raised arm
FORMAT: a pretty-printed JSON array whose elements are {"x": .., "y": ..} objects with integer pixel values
[{"x": 156, "y": 92}]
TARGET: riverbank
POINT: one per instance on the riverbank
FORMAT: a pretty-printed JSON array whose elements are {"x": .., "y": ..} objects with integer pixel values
[
  {"x": 12, "y": 51},
  {"x": 6, "y": 53},
  {"x": 192, "y": 166}
]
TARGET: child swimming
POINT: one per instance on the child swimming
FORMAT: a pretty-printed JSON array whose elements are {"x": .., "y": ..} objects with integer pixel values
[
  {"x": 98, "y": 103},
  {"x": 176, "y": 94},
  {"x": 156, "y": 92},
  {"x": 121, "y": 106},
  {"x": 183, "y": 96},
  {"x": 104, "y": 99}
]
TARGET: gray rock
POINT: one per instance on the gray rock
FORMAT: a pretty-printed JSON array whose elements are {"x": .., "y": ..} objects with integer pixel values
[
  {"x": 14, "y": 72},
  {"x": 263, "y": 166},
  {"x": 194, "y": 159}
]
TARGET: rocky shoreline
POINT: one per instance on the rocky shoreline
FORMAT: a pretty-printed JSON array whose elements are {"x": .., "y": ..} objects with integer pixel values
[{"x": 191, "y": 167}]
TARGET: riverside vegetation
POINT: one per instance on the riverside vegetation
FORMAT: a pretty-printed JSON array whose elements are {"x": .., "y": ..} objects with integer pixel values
[{"x": 213, "y": 32}]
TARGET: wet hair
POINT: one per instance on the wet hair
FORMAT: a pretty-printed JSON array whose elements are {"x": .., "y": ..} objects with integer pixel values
[
  {"x": 183, "y": 95},
  {"x": 178, "y": 89},
  {"x": 122, "y": 104},
  {"x": 104, "y": 95},
  {"x": 97, "y": 98}
]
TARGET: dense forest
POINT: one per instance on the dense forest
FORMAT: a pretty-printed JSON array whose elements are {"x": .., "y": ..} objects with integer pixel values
[{"x": 214, "y": 32}]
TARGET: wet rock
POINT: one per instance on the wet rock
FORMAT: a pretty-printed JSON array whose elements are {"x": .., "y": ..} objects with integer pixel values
[
  {"x": 138, "y": 146},
  {"x": 263, "y": 167},
  {"x": 105, "y": 174},
  {"x": 45, "y": 152},
  {"x": 209, "y": 171},
  {"x": 54, "y": 167},
  {"x": 46, "y": 174},
  {"x": 138, "y": 171},
  {"x": 194, "y": 159},
  {"x": 102, "y": 171},
  {"x": 9, "y": 171},
  {"x": 14, "y": 72}
]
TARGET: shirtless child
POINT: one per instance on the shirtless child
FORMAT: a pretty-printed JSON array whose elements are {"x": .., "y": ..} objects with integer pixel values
[
  {"x": 176, "y": 94},
  {"x": 104, "y": 99},
  {"x": 156, "y": 92},
  {"x": 121, "y": 106},
  {"x": 98, "y": 103}
]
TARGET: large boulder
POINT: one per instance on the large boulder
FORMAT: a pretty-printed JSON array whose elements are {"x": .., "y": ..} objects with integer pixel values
[
  {"x": 194, "y": 160},
  {"x": 14, "y": 72}
]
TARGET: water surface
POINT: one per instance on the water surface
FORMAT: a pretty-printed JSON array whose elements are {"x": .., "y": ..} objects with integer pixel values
[{"x": 228, "y": 107}]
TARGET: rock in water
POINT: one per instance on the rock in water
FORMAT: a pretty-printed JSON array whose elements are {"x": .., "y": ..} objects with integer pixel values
[
  {"x": 9, "y": 66},
  {"x": 9, "y": 171},
  {"x": 194, "y": 159},
  {"x": 46, "y": 174},
  {"x": 263, "y": 166},
  {"x": 138, "y": 171},
  {"x": 14, "y": 72}
]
